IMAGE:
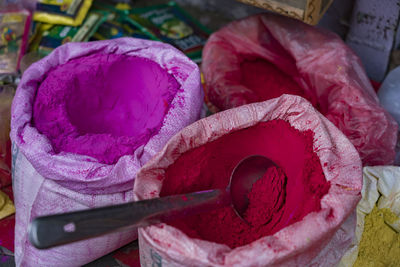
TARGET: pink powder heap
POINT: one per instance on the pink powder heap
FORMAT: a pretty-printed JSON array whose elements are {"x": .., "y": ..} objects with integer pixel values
[{"x": 103, "y": 105}]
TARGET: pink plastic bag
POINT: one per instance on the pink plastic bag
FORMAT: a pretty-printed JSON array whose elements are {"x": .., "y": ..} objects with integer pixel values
[
  {"x": 330, "y": 74},
  {"x": 319, "y": 239},
  {"x": 46, "y": 183}
]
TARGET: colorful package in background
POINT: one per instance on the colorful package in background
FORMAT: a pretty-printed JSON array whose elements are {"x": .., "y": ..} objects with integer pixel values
[
  {"x": 64, "y": 12},
  {"x": 39, "y": 28},
  {"x": 112, "y": 29},
  {"x": 172, "y": 25},
  {"x": 138, "y": 28},
  {"x": 6, "y": 97},
  {"x": 59, "y": 34},
  {"x": 108, "y": 30},
  {"x": 112, "y": 6},
  {"x": 118, "y": 24},
  {"x": 14, "y": 30}
]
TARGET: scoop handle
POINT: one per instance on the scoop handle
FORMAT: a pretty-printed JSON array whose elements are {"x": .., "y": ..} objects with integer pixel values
[{"x": 54, "y": 230}]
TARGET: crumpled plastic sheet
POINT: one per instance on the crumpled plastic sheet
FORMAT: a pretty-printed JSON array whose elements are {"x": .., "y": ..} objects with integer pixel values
[
  {"x": 319, "y": 61},
  {"x": 47, "y": 183},
  {"x": 319, "y": 239}
]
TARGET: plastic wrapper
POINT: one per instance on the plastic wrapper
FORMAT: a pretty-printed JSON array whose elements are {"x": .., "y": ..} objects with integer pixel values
[
  {"x": 6, "y": 97},
  {"x": 328, "y": 71},
  {"x": 118, "y": 23},
  {"x": 113, "y": 29},
  {"x": 64, "y": 12},
  {"x": 114, "y": 6},
  {"x": 14, "y": 30},
  {"x": 58, "y": 34},
  {"x": 316, "y": 240},
  {"x": 381, "y": 188},
  {"x": 170, "y": 24},
  {"x": 47, "y": 183}
]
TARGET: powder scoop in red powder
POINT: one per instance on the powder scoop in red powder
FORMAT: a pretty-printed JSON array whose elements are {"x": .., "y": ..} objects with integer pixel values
[
  {"x": 266, "y": 198},
  {"x": 274, "y": 202}
]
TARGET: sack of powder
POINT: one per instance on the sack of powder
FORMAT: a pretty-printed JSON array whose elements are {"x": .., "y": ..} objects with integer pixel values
[
  {"x": 263, "y": 56},
  {"x": 316, "y": 220},
  {"x": 381, "y": 190},
  {"x": 84, "y": 120}
]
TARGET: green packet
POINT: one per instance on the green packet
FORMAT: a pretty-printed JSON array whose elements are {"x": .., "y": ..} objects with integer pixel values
[
  {"x": 118, "y": 24},
  {"x": 113, "y": 29},
  {"x": 113, "y": 6},
  {"x": 59, "y": 34},
  {"x": 171, "y": 24}
]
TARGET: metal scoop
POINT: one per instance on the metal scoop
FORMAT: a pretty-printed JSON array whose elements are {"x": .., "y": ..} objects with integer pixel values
[{"x": 54, "y": 230}]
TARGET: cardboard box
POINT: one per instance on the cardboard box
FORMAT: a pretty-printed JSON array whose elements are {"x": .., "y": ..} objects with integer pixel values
[{"x": 308, "y": 11}]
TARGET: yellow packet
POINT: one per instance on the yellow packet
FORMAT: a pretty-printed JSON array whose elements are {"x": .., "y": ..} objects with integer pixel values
[
  {"x": 6, "y": 206},
  {"x": 63, "y": 12}
]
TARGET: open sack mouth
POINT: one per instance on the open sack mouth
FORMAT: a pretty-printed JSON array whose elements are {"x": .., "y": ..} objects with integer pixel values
[
  {"x": 264, "y": 56},
  {"x": 103, "y": 105},
  {"x": 274, "y": 201},
  {"x": 85, "y": 119},
  {"x": 290, "y": 221}
]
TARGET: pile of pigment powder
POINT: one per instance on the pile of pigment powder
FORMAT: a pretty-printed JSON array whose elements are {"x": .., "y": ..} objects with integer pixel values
[
  {"x": 275, "y": 200},
  {"x": 103, "y": 105},
  {"x": 380, "y": 244},
  {"x": 267, "y": 81}
]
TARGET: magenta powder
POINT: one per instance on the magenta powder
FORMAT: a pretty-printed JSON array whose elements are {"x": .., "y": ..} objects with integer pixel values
[{"x": 103, "y": 105}]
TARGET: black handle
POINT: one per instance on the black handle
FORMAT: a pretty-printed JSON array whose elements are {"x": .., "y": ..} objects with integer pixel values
[{"x": 54, "y": 230}]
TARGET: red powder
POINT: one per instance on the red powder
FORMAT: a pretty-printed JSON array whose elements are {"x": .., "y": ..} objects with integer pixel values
[
  {"x": 267, "y": 81},
  {"x": 128, "y": 255},
  {"x": 266, "y": 199},
  {"x": 274, "y": 202}
]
